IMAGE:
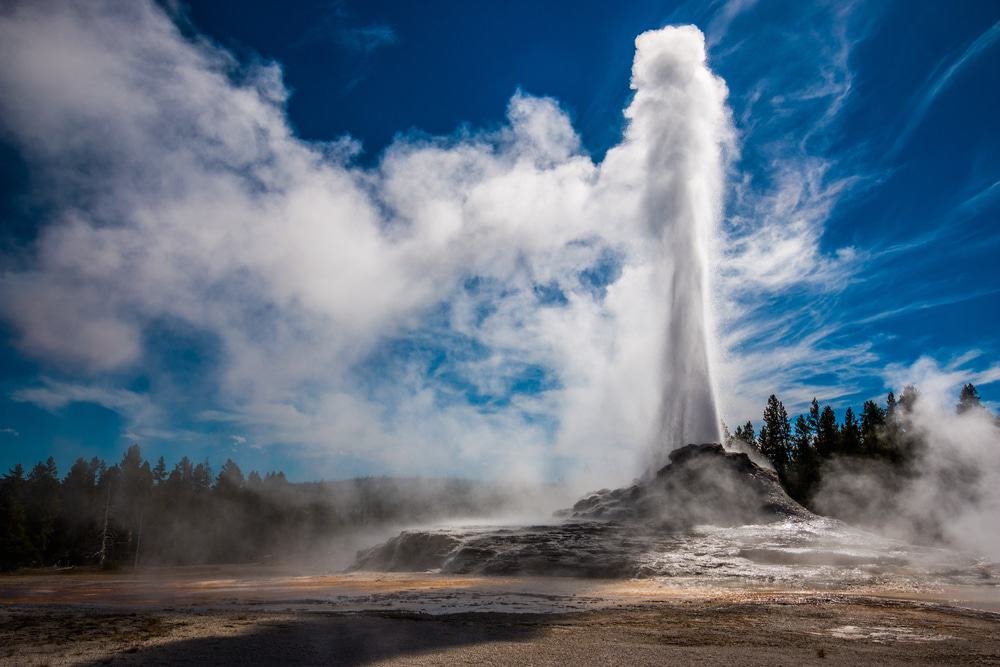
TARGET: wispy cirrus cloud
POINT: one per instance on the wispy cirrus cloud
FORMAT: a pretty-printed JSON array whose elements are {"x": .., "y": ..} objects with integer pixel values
[
  {"x": 55, "y": 395},
  {"x": 939, "y": 82},
  {"x": 798, "y": 314},
  {"x": 779, "y": 209},
  {"x": 720, "y": 21},
  {"x": 778, "y": 276},
  {"x": 145, "y": 418},
  {"x": 773, "y": 241},
  {"x": 367, "y": 39},
  {"x": 338, "y": 25}
]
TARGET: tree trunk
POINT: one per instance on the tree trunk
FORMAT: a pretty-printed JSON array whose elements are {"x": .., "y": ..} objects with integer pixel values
[
  {"x": 138, "y": 539},
  {"x": 104, "y": 531}
]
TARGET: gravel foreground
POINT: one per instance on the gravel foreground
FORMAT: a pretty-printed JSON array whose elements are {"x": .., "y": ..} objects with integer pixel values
[
  {"x": 91, "y": 620},
  {"x": 777, "y": 632}
]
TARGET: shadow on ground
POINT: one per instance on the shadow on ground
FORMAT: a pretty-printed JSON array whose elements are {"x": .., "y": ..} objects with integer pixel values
[{"x": 330, "y": 639}]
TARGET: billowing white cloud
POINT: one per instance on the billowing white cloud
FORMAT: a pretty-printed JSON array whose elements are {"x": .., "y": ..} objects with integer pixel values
[
  {"x": 951, "y": 492},
  {"x": 940, "y": 383},
  {"x": 179, "y": 194}
]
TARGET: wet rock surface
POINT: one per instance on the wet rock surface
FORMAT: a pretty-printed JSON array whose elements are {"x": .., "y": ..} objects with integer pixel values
[
  {"x": 702, "y": 484},
  {"x": 709, "y": 515},
  {"x": 609, "y": 533},
  {"x": 578, "y": 548}
]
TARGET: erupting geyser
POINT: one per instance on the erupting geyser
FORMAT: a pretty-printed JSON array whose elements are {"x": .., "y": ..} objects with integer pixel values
[
  {"x": 670, "y": 163},
  {"x": 678, "y": 124},
  {"x": 698, "y": 510}
]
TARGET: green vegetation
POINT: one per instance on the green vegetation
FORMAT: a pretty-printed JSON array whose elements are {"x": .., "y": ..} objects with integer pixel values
[
  {"x": 136, "y": 513},
  {"x": 801, "y": 451}
]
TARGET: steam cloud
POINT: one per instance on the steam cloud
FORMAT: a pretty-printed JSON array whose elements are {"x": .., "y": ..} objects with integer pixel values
[
  {"x": 952, "y": 494},
  {"x": 177, "y": 199}
]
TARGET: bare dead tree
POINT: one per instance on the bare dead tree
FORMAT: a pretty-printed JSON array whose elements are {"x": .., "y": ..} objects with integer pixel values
[
  {"x": 104, "y": 531},
  {"x": 138, "y": 539}
]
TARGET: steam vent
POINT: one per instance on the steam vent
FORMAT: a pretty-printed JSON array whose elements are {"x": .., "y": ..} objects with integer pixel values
[{"x": 608, "y": 533}]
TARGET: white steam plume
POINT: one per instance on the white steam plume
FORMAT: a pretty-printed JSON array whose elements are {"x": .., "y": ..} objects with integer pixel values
[
  {"x": 178, "y": 197},
  {"x": 952, "y": 493}
]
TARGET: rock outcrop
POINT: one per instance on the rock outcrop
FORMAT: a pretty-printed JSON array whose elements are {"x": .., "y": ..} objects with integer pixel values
[
  {"x": 607, "y": 533},
  {"x": 702, "y": 484}
]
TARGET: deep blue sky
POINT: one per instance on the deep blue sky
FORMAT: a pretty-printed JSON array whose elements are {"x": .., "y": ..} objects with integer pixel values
[{"x": 908, "y": 124}]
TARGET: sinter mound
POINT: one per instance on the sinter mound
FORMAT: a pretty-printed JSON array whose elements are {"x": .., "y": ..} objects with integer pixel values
[
  {"x": 701, "y": 484},
  {"x": 606, "y": 533}
]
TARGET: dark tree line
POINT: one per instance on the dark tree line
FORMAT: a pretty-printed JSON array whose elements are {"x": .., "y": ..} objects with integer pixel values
[
  {"x": 135, "y": 512},
  {"x": 801, "y": 450}
]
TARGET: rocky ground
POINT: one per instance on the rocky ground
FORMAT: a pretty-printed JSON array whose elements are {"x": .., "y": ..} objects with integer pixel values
[
  {"x": 708, "y": 513},
  {"x": 702, "y": 484},
  {"x": 776, "y": 629},
  {"x": 224, "y": 615},
  {"x": 609, "y": 532}
]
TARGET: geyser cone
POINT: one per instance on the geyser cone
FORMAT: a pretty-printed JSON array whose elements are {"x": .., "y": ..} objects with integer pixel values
[{"x": 608, "y": 533}]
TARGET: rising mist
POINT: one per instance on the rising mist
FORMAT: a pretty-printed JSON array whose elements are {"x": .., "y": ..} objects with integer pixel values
[{"x": 504, "y": 258}]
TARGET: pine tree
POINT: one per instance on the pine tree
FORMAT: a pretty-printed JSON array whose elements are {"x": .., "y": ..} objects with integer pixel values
[
  {"x": 133, "y": 494},
  {"x": 230, "y": 477},
  {"x": 42, "y": 507},
  {"x": 160, "y": 471},
  {"x": 969, "y": 400},
  {"x": 182, "y": 474},
  {"x": 813, "y": 420},
  {"x": 804, "y": 468},
  {"x": 801, "y": 439},
  {"x": 903, "y": 442},
  {"x": 891, "y": 435},
  {"x": 908, "y": 399},
  {"x": 850, "y": 434},
  {"x": 254, "y": 481},
  {"x": 81, "y": 511},
  {"x": 775, "y": 434},
  {"x": 275, "y": 480},
  {"x": 746, "y": 434},
  {"x": 872, "y": 425},
  {"x": 16, "y": 548},
  {"x": 201, "y": 477},
  {"x": 826, "y": 433}
]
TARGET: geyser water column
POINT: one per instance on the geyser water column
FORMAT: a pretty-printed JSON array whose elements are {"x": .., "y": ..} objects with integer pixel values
[{"x": 678, "y": 127}]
